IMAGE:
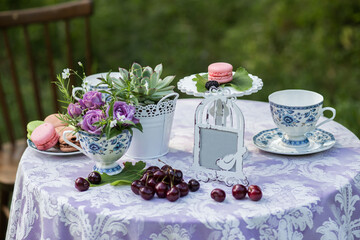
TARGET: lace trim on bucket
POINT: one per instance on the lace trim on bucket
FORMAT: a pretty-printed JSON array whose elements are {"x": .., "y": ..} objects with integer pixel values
[{"x": 165, "y": 107}]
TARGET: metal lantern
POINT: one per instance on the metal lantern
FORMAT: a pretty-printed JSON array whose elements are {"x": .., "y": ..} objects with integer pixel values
[{"x": 219, "y": 139}]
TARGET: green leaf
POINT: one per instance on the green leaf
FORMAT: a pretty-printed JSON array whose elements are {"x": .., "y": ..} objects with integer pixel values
[
  {"x": 144, "y": 81},
  {"x": 153, "y": 80},
  {"x": 108, "y": 131},
  {"x": 139, "y": 89},
  {"x": 118, "y": 82},
  {"x": 147, "y": 72},
  {"x": 136, "y": 69},
  {"x": 151, "y": 91},
  {"x": 114, "y": 132},
  {"x": 129, "y": 174},
  {"x": 167, "y": 88},
  {"x": 121, "y": 182},
  {"x": 123, "y": 73},
  {"x": 165, "y": 82},
  {"x": 127, "y": 122},
  {"x": 161, "y": 94},
  {"x": 200, "y": 83},
  {"x": 139, "y": 127},
  {"x": 159, "y": 69},
  {"x": 241, "y": 80}
]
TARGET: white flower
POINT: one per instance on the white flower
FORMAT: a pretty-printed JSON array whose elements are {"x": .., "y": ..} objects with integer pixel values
[
  {"x": 120, "y": 117},
  {"x": 80, "y": 64},
  {"x": 66, "y": 73},
  {"x": 113, "y": 123}
]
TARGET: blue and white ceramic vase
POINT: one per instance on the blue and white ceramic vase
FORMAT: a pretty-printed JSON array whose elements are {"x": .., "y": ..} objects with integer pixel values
[{"x": 105, "y": 152}]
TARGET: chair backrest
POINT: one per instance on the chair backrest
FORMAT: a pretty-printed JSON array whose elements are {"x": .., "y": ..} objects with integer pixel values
[{"x": 45, "y": 19}]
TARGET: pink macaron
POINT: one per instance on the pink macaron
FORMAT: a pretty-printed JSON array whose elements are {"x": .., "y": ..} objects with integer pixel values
[
  {"x": 44, "y": 136},
  {"x": 220, "y": 72}
]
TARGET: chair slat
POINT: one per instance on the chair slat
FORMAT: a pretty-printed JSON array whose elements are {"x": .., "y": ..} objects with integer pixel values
[
  {"x": 50, "y": 62},
  {"x": 15, "y": 81},
  {"x": 88, "y": 46},
  {"x": 69, "y": 50},
  {"x": 6, "y": 116},
  {"x": 34, "y": 79},
  {"x": 46, "y": 14}
]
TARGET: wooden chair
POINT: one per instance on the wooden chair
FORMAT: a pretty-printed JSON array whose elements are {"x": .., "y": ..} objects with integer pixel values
[{"x": 58, "y": 17}]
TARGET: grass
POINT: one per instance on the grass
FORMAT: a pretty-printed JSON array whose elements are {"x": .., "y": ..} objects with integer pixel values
[{"x": 289, "y": 44}]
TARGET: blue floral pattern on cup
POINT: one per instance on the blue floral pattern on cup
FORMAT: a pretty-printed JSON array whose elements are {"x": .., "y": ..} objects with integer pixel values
[
  {"x": 292, "y": 116},
  {"x": 105, "y": 152},
  {"x": 94, "y": 145}
]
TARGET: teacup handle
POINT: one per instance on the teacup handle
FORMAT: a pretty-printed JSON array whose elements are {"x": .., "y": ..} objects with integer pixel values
[
  {"x": 70, "y": 143},
  {"x": 329, "y": 119},
  {"x": 75, "y": 89}
]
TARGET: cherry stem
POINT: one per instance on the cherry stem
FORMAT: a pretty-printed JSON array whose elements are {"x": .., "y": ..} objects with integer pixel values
[
  {"x": 172, "y": 181},
  {"x": 162, "y": 161},
  {"x": 147, "y": 177}
]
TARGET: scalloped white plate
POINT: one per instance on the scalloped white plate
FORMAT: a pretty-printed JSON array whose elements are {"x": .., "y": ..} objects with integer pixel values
[
  {"x": 188, "y": 86},
  {"x": 51, "y": 151}
]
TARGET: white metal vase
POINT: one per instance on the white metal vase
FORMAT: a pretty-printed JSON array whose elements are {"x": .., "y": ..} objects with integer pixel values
[{"x": 156, "y": 120}]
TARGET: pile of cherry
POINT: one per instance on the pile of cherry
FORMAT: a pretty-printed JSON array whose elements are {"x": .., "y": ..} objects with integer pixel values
[{"x": 165, "y": 183}]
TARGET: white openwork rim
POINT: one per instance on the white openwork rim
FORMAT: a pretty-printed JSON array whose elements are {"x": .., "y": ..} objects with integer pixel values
[
  {"x": 188, "y": 86},
  {"x": 152, "y": 110}
]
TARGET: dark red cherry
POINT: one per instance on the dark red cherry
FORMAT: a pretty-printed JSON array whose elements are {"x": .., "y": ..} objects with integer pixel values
[
  {"x": 165, "y": 168},
  {"x": 178, "y": 175},
  {"x": 184, "y": 189},
  {"x": 194, "y": 185},
  {"x": 151, "y": 182},
  {"x": 82, "y": 184},
  {"x": 152, "y": 169},
  {"x": 218, "y": 195},
  {"x": 94, "y": 177},
  {"x": 145, "y": 177},
  {"x": 239, "y": 191},
  {"x": 254, "y": 192},
  {"x": 161, "y": 189},
  {"x": 173, "y": 194},
  {"x": 159, "y": 175},
  {"x": 135, "y": 186},
  {"x": 146, "y": 192}
]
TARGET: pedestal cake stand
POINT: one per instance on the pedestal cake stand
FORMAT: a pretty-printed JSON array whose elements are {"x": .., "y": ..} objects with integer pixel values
[{"x": 219, "y": 122}]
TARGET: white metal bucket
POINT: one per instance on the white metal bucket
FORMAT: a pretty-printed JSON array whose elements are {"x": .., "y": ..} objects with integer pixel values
[{"x": 156, "y": 120}]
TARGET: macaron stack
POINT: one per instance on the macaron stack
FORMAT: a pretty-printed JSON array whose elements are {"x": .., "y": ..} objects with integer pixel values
[
  {"x": 220, "y": 72},
  {"x": 48, "y": 133}
]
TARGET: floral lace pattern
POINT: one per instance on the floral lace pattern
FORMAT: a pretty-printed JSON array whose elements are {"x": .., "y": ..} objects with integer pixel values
[
  {"x": 153, "y": 110},
  {"x": 304, "y": 197}
]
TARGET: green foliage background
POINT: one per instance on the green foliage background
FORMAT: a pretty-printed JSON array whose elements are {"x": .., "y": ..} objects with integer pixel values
[{"x": 306, "y": 44}]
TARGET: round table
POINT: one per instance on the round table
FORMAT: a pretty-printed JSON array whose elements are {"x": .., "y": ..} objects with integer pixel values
[{"x": 304, "y": 197}]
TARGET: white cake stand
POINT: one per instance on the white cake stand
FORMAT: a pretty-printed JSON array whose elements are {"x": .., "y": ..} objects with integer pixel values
[
  {"x": 220, "y": 110},
  {"x": 188, "y": 86}
]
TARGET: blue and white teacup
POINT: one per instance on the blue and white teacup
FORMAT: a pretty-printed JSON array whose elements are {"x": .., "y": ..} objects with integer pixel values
[
  {"x": 93, "y": 83},
  {"x": 105, "y": 152},
  {"x": 296, "y": 112}
]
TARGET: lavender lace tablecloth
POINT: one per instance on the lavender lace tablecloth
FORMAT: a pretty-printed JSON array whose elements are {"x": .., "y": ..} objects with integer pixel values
[{"x": 304, "y": 197}]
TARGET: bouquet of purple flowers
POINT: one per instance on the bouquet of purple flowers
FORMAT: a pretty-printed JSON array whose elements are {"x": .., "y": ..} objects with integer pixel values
[{"x": 96, "y": 116}]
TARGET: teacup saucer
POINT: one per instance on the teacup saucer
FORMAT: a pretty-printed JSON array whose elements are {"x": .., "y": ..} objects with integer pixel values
[{"x": 270, "y": 141}]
